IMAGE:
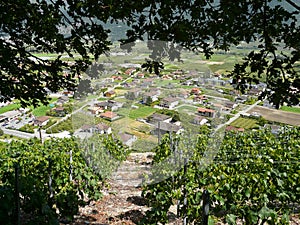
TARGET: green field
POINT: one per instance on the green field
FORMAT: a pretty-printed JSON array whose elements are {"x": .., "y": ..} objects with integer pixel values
[
  {"x": 290, "y": 109},
  {"x": 9, "y": 107},
  {"x": 246, "y": 123},
  {"x": 160, "y": 83},
  {"x": 141, "y": 112},
  {"x": 42, "y": 109},
  {"x": 187, "y": 109}
]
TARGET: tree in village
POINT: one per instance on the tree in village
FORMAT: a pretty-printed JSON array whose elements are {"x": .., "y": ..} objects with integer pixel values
[{"x": 76, "y": 28}]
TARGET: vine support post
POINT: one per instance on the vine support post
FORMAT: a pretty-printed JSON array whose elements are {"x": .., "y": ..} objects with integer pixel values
[
  {"x": 40, "y": 133},
  {"x": 17, "y": 194},
  {"x": 50, "y": 178},
  {"x": 158, "y": 132},
  {"x": 71, "y": 166},
  {"x": 185, "y": 205},
  {"x": 205, "y": 207}
]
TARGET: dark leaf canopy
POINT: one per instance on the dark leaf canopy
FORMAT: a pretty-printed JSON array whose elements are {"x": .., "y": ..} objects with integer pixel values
[{"x": 75, "y": 27}]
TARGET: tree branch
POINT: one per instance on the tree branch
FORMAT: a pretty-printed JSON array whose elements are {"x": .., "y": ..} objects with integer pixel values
[{"x": 293, "y": 4}]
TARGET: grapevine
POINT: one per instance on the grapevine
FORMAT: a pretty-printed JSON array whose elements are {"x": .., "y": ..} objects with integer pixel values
[
  {"x": 254, "y": 178},
  {"x": 54, "y": 179}
]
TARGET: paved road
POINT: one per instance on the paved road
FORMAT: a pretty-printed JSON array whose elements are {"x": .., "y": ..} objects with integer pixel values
[{"x": 17, "y": 133}]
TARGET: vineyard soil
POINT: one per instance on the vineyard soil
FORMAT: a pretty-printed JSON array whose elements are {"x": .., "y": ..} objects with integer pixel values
[{"x": 122, "y": 202}]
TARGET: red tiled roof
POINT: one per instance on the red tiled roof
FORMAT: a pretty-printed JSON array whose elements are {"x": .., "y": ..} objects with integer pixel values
[
  {"x": 108, "y": 114},
  {"x": 230, "y": 128},
  {"x": 42, "y": 119},
  {"x": 205, "y": 110}
]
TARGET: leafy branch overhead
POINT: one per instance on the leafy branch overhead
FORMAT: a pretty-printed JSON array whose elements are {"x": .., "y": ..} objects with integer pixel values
[{"x": 76, "y": 28}]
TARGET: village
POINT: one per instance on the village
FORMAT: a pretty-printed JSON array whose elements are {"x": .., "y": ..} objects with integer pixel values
[{"x": 139, "y": 107}]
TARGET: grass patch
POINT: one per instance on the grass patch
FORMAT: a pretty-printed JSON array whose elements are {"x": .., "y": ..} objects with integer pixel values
[
  {"x": 187, "y": 109},
  {"x": 290, "y": 109},
  {"x": 160, "y": 82},
  {"x": 141, "y": 112},
  {"x": 41, "y": 110},
  {"x": 246, "y": 123},
  {"x": 10, "y": 107}
]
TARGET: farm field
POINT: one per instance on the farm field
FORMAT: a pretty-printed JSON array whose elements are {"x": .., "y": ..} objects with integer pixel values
[
  {"x": 127, "y": 125},
  {"x": 141, "y": 112},
  {"x": 278, "y": 115},
  {"x": 246, "y": 123}
]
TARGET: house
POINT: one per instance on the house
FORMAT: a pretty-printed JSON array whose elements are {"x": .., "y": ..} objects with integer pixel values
[
  {"x": 241, "y": 99},
  {"x": 199, "y": 120},
  {"x": 127, "y": 139},
  {"x": 147, "y": 82},
  {"x": 87, "y": 128},
  {"x": 133, "y": 94},
  {"x": 167, "y": 77},
  {"x": 188, "y": 83},
  {"x": 156, "y": 117},
  {"x": 60, "y": 111},
  {"x": 100, "y": 128},
  {"x": 230, "y": 105},
  {"x": 218, "y": 107},
  {"x": 109, "y": 104},
  {"x": 200, "y": 99},
  {"x": 110, "y": 94},
  {"x": 41, "y": 120},
  {"x": 169, "y": 102},
  {"x": 268, "y": 104},
  {"x": 162, "y": 128},
  {"x": 195, "y": 91},
  {"x": 62, "y": 99},
  {"x": 116, "y": 78},
  {"x": 68, "y": 93},
  {"x": 232, "y": 128},
  {"x": 140, "y": 75},
  {"x": 254, "y": 91},
  {"x": 95, "y": 110},
  {"x": 149, "y": 97},
  {"x": 103, "y": 105},
  {"x": 109, "y": 115},
  {"x": 206, "y": 112},
  {"x": 114, "y": 105},
  {"x": 103, "y": 128},
  {"x": 130, "y": 71},
  {"x": 183, "y": 94}
]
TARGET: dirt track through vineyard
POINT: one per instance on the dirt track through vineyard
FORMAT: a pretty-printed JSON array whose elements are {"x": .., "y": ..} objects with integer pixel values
[{"x": 122, "y": 202}]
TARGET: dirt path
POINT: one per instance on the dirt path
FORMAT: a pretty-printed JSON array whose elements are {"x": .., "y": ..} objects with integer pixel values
[{"x": 122, "y": 202}]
